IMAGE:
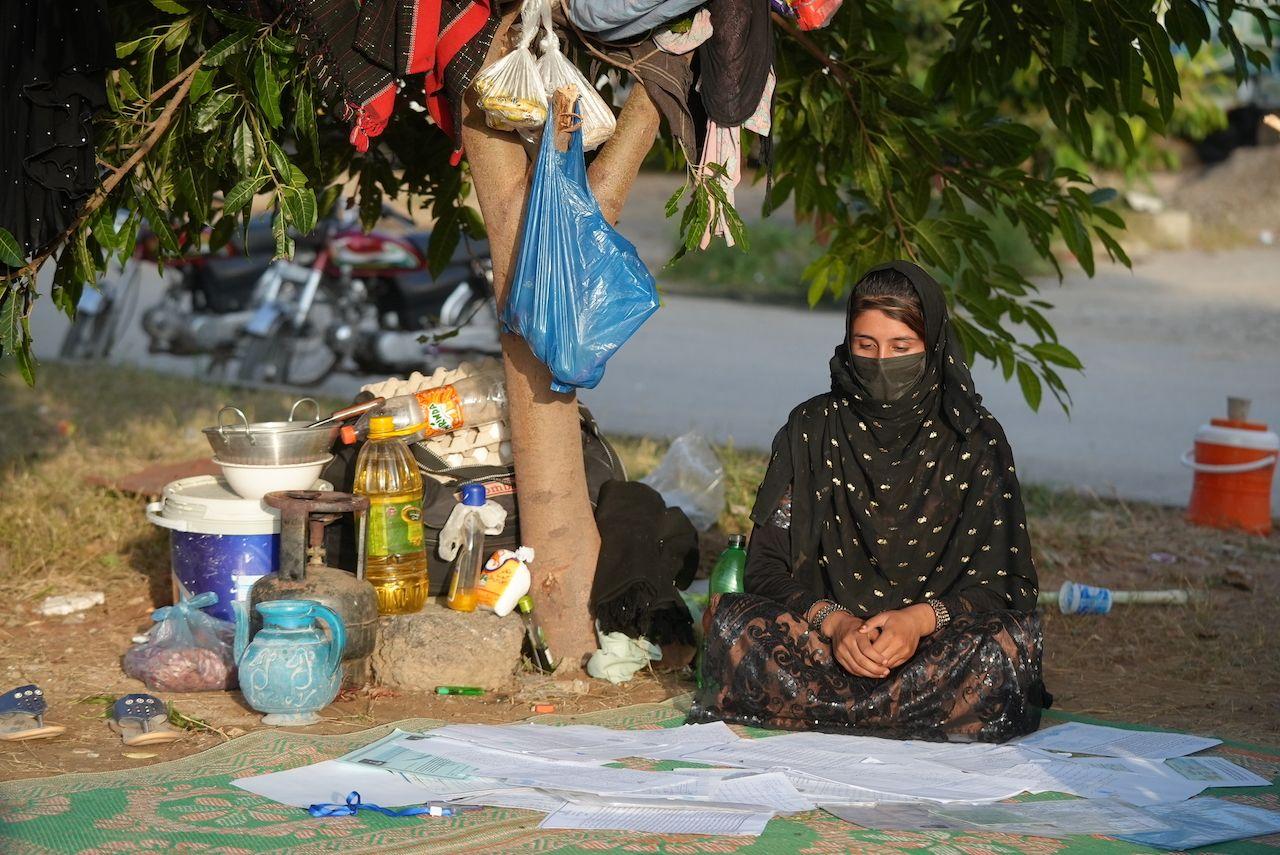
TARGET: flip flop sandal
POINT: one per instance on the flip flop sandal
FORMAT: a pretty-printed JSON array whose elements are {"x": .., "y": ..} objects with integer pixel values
[
  {"x": 22, "y": 715},
  {"x": 142, "y": 719}
]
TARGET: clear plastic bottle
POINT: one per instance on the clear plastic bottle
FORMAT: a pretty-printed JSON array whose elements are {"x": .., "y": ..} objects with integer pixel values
[
  {"x": 462, "y": 587},
  {"x": 395, "y": 554},
  {"x": 471, "y": 402}
]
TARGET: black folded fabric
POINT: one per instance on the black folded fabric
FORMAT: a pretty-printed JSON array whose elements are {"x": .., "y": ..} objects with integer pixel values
[{"x": 646, "y": 551}]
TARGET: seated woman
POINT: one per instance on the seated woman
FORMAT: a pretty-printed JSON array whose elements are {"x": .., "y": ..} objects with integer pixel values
[{"x": 890, "y": 587}]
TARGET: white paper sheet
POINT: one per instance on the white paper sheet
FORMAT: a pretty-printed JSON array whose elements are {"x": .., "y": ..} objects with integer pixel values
[
  {"x": 768, "y": 753},
  {"x": 330, "y": 781},
  {"x": 823, "y": 792},
  {"x": 517, "y": 797},
  {"x": 1078, "y": 738},
  {"x": 771, "y": 790},
  {"x": 1215, "y": 772},
  {"x": 1200, "y": 822},
  {"x": 895, "y": 817},
  {"x": 604, "y": 780},
  {"x": 1057, "y": 817},
  {"x": 923, "y": 781},
  {"x": 658, "y": 820},
  {"x": 389, "y": 752}
]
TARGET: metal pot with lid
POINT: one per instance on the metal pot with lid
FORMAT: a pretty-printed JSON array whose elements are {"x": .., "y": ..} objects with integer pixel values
[{"x": 279, "y": 443}]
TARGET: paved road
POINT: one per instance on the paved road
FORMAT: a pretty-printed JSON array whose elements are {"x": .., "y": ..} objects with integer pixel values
[{"x": 1163, "y": 347}]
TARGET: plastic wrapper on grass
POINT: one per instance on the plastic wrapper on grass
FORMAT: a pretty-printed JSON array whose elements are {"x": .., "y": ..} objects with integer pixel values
[{"x": 186, "y": 651}]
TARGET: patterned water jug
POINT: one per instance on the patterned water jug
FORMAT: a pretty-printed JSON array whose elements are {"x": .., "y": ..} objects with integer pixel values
[{"x": 290, "y": 669}]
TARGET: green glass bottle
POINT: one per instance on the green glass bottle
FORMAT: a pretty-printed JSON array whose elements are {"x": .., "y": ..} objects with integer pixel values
[
  {"x": 727, "y": 575},
  {"x": 726, "y": 578}
]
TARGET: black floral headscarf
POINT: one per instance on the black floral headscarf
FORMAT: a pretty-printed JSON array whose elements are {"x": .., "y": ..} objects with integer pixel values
[{"x": 894, "y": 503}]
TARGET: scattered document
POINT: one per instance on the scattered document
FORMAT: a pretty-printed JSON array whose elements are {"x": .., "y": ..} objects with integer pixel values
[
  {"x": 1057, "y": 818},
  {"x": 330, "y": 781},
  {"x": 895, "y": 817},
  {"x": 389, "y": 753},
  {"x": 1215, "y": 772},
  {"x": 659, "y": 820},
  {"x": 1202, "y": 821},
  {"x": 518, "y": 797},
  {"x": 1077, "y": 738}
]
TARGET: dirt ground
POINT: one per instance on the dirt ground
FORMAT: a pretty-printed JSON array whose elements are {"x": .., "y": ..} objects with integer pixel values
[{"x": 1208, "y": 667}]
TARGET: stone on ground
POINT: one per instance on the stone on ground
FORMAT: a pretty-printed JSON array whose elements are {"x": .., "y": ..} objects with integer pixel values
[{"x": 441, "y": 647}]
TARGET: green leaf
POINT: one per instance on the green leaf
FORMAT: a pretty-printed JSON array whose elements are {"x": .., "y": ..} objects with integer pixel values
[
  {"x": 267, "y": 87},
  {"x": 473, "y": 224},
  {"x": 1057, "y": 354},
  {"x": 68, "y": 282},
  {"x": 940, "y": 249},
  {"x": 159, "y": 224},
  {"x": 284, "y": 243},
  {"x": 1030, "y": 383},
  {"x": 241, "y": 194},
  {"x": 201, "y": 85},
  {"x": 210, "y": 109},
  {"x": 171, "y": 6},
  {"x": 226, "y": 48},
  {"x": 244, "y": 150},
  {"x": 177, "y": 34},
  {"x": 300, "y": 204},
  {"x": 304, "y": 121},
  {"x": 445, "y": 235},
  {"x": 124, "y": 49},
  {"x": 10, "y": 252},
  {"x": 220, "y": 236}
]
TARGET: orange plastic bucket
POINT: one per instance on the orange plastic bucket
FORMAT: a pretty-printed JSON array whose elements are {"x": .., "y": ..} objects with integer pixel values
[{"x": 1234, "y": 462}]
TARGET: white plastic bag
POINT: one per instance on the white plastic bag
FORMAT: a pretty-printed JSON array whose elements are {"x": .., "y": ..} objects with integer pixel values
[
  {"x": 691, "y": 478},
  {"x": 510, "y": 91},
  {"x": 598, "y": 122}
]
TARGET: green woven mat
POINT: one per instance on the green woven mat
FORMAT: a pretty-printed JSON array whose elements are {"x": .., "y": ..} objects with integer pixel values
[{"x": 188, "y": 805}]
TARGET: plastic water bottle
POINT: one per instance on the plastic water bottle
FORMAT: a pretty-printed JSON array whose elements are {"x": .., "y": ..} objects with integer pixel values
[
  {"x": 727, "y": 575},
  {"x": 395, "y": 554},
  {"x": 462, "y": 588},
  {"x": 477, "y": 400}
]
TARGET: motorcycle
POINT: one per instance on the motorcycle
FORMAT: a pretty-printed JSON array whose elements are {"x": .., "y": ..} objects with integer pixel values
[{"x": 368, "y": 299}]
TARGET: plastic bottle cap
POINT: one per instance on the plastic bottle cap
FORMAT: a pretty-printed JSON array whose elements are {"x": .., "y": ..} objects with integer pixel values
[
  {"x": 348, "y": 434},
  {"x": 381, "y": 427},
  {"x": 737, "y": 541},
  {"x": 525, "y": 604},
  {"x": 474, "y": 495}
]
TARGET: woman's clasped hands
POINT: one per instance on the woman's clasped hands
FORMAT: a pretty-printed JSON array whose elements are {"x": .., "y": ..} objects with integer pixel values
[{"x": 874, "y": 647}]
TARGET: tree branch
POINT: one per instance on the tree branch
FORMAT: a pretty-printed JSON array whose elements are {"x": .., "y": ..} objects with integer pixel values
[{"x": 614, "y": 170}]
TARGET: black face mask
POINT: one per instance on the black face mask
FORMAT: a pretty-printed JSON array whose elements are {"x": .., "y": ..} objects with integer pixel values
[{"x": 891, "y": 378}]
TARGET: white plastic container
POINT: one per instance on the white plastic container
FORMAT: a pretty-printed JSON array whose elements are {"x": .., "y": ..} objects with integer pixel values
[{"x": 218, "y": 540}]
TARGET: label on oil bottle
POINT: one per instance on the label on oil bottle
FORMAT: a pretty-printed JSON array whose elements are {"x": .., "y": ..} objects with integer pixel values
[
  {"x": 441, "y": 409},
  {"x": 394, "y": 528}
]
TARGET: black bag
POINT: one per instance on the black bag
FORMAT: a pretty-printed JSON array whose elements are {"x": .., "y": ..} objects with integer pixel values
[{"x": 443, "y": 490}]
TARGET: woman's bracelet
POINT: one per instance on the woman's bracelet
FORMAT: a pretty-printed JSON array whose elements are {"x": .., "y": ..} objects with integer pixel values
[
  {"x": 825, "y": 612},
  {"x": 941, "y": 614}
]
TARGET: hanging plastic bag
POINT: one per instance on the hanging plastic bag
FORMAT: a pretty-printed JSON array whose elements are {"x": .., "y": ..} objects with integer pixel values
[
  {"x": 186, "y": 651},
  {"x": 691, "y": 478},
  {"x": 510, "y": 91},
  {"x": 579, "y": 290},
  {"x": 598, "y": 122}
]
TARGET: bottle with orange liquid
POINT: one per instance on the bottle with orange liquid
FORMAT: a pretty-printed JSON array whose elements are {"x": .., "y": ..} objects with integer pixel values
[
  {"x": 462, "y": 588},
  {"x": 395, "y": 554}
]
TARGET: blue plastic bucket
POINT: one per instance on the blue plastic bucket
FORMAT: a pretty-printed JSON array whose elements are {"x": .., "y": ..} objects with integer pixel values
[{"x": 218, "y": 541}]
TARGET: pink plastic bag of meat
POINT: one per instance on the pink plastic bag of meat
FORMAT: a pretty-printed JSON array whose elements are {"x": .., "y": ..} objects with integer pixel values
[{"x": 186, "y": 651}]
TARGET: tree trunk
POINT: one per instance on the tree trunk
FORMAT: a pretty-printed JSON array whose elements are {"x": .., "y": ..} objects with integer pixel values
[{"x": 555, "y": 513}]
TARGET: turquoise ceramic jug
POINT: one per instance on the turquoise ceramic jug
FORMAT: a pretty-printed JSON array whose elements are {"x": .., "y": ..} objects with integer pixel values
[{"x": 290, "y": 669}]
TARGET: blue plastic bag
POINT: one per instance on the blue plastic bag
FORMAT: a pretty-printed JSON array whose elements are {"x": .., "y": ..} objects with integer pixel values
[{"x": 579, "y": 290}]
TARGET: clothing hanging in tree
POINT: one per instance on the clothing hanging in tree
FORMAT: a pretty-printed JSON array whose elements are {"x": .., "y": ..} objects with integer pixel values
[
  {"x": 894, "y": 503},
  {"x": 734, "y": 63},
  {"x": 54, "y": 56},
  {"x": 363, "y": 52}
]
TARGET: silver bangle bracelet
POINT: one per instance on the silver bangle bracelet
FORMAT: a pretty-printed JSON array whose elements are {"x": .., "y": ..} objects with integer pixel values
[{"x": 941, "y": 615}]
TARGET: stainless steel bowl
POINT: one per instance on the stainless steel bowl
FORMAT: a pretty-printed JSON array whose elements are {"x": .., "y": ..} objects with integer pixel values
[{"x": 271, "y": 443}]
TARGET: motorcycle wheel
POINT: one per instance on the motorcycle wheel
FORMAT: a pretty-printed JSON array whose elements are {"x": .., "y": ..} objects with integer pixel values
[{"x": 290, "y": 356}]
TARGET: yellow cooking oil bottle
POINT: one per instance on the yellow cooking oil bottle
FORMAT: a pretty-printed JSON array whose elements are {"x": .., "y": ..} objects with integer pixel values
[{"x": 395, "y": 554}]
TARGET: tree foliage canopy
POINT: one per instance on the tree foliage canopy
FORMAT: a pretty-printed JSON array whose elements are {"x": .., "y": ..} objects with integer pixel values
[{"x": 895, "y": 129}]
